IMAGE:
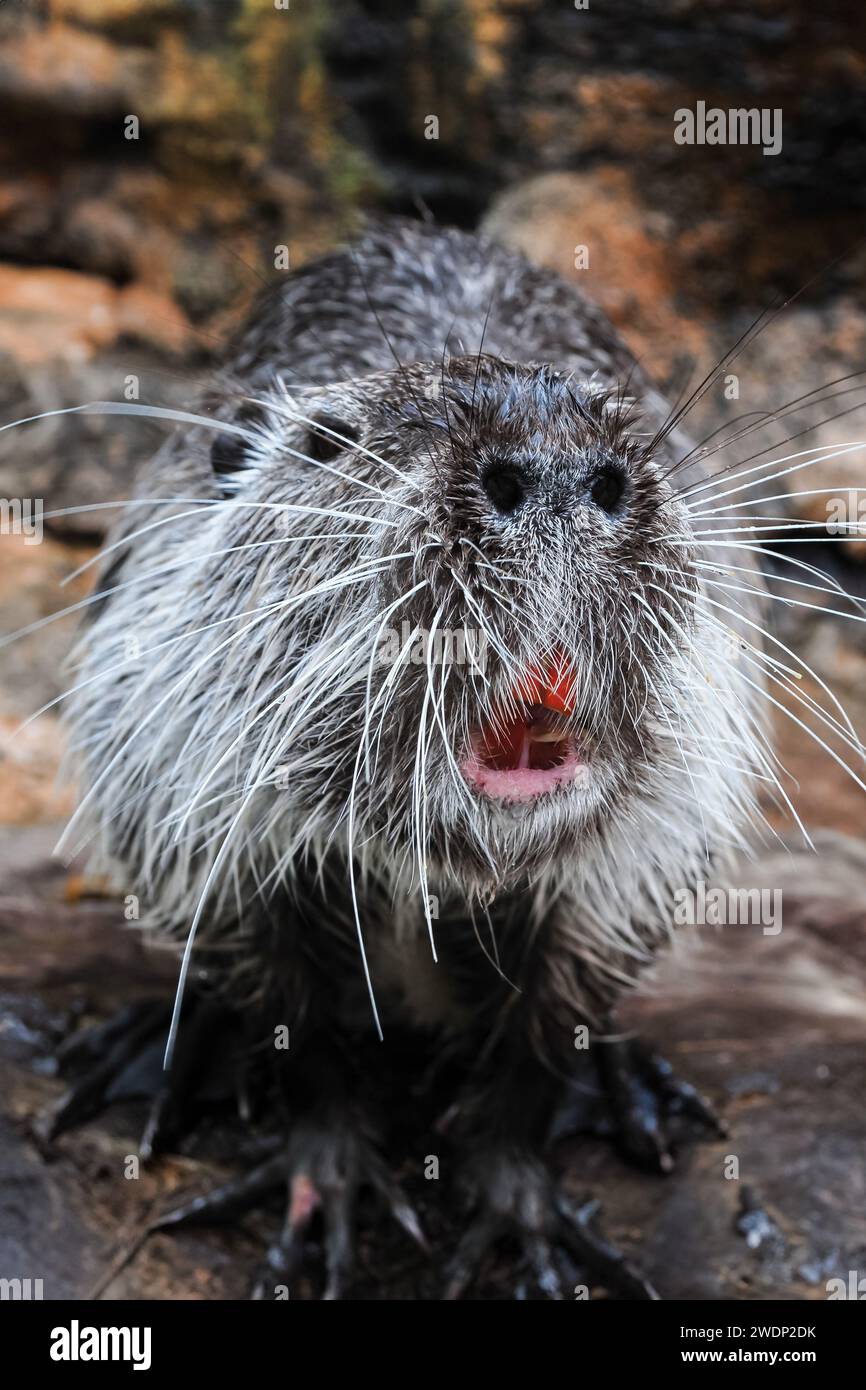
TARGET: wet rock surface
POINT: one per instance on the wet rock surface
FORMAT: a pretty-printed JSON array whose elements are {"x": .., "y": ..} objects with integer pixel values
[{"x": 772, "y": 1029}]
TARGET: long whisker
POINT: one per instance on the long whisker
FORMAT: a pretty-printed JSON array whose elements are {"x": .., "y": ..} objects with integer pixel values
[
  {"x": 697, "y": 455},
  {"x": 147, "y": 575},
  {"x": 279, "y": 507},
  {"x": 210, "y": 656},
  {"x": 811, "y": 732},
  {"x": 822, "y": 454},
  {"x": 854, "y": 740}
]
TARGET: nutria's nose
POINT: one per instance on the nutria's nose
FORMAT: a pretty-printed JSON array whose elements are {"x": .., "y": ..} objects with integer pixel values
[{"x": 507, "y": 485}]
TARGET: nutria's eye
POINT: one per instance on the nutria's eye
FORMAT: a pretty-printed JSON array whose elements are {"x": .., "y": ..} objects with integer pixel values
[
  {"x": 606, "y": 489},
  {"x": 506, "y": 486},
  {"x": 229, "y": 451},
  {"x": 323, "y": 445}
]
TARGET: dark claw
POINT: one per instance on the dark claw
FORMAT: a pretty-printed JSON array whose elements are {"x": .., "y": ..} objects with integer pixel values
[
  {"x": 398, "y": 1204},
  {"x": 284, "y": 1255},
  {"x": 636, "y": 1106},
  {"x": 644, "y": 1093},
  {"x": 115, "y": 1076},
  {"x": 177, "y": 1087},
  {"x": 339, "y": 1245},
  {"x": 543, "y": 1263},
  {"x": 597, "y": 1255},
  {"x": 682, "y": 1097},
  {"x": 229, "y": 1201},
  {"x": 405, "y": 1216},
  {"x": 470, "y": 1255}
]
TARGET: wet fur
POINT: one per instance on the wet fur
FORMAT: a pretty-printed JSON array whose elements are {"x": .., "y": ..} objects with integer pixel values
[{"x": 218, "y": 774}]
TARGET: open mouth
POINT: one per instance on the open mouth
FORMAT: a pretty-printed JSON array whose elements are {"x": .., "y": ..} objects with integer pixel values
[{"x": 527, "y": 753}]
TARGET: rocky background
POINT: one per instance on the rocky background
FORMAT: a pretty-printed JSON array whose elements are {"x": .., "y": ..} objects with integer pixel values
[{"x": 154, "y": 156}]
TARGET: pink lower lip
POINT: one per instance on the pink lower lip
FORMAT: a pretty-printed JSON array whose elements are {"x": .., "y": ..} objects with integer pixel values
[{"x": 519, "y": 783}]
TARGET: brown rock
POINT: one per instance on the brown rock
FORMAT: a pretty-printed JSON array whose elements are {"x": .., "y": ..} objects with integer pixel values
[
  {"x": 29, "y": 767},
  {"x": 63, "y": 69},
  {"x": 46, "y": 314},
  {"x": 634, "y": 271},
  {"x": 113, "y": 14}
]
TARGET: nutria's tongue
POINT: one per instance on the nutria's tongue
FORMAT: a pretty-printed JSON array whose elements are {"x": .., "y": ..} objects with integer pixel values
[
  {"x": 528, "y": 740},
  {"x": 522, "y": 754}
]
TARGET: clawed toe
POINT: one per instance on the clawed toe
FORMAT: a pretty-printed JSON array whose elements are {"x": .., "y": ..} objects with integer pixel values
[
  {"x": 112, "y": 1061},
  {"x": 122, "y": 1060},
  {"x": 227, "y": 1202},
  {"x": 645, "y": 1100},
  {"x": 323, "y": 1174},
  {"x": 596, "y": 1254},
  {"x": 680, "y": 1097},
  {"x": 557, "y": 1248}
]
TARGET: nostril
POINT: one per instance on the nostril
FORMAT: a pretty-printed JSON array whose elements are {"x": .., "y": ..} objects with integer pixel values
[
  {"x": 606, "y": 489},
  {"x": 506, "y": 486}
]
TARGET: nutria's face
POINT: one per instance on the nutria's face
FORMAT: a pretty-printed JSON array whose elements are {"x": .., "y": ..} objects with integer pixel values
[{"x": 488, "y": 673}]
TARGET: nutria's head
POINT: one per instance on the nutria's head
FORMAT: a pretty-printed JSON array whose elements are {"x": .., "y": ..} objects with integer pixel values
[{"x": 445, "y": 615}]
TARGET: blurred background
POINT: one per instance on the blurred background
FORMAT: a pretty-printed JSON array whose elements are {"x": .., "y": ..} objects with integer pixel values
[{"x": 155, "y": 154}]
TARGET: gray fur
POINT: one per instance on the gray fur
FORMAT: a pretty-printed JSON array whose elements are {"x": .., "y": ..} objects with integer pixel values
[{"x": 249, "y": 766}]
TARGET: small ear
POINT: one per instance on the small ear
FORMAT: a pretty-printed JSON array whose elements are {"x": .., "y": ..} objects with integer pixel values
[
  {"x": 323, "y": 445},
  {"x": 228, "y": 452}
]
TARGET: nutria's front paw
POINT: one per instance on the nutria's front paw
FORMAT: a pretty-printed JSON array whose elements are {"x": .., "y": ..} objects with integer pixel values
[
  {"x": 328, "y": 1161},
  {"x": 122, "y": 1059},
  {"x": 320, "y": 1165},
  {"x": 647, "y": 1099},
  {"x": 632, "y": 1095},
  {"x": 515, "y": 1204}
]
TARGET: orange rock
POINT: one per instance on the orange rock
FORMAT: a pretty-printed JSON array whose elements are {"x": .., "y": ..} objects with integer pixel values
[
  {"x": 633, "y": 269},
  {"x": 29, "y": 766},
  {"x": 66, "y": 69},
  {"x": 48, "y": 314},
  {"x": 153, "y": 318},
  {"x": 78, "y": 887}
]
